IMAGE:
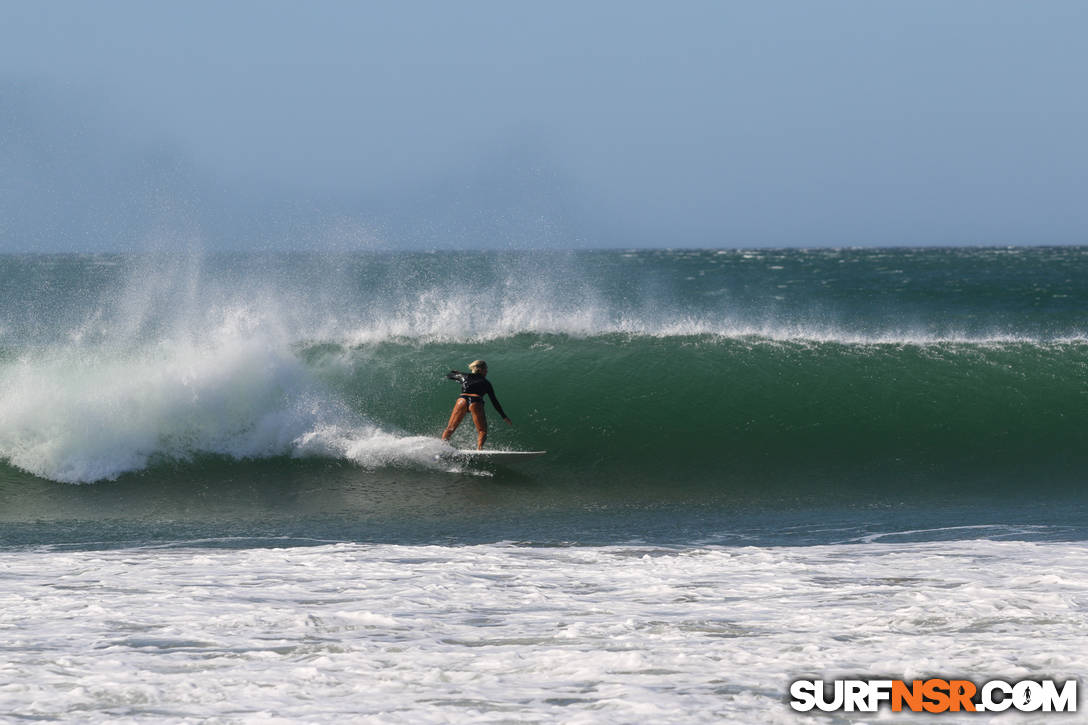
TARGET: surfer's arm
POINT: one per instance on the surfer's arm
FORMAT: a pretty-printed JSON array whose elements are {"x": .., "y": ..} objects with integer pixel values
[
  {"x": 455, "y": 375},
  {"x": 495, "y": 402}
]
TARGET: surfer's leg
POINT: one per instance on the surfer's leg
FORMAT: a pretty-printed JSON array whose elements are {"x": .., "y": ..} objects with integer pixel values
[
  {"x": 480, "y": 419},
  {"x": 459, "y": 410}
]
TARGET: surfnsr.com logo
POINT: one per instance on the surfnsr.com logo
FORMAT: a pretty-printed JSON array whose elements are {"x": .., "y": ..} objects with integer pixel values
[{"x": 934, "y": 695}]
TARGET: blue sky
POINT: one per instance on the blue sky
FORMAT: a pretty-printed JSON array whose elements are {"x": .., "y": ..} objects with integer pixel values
[{"x": 568, "y": 124}]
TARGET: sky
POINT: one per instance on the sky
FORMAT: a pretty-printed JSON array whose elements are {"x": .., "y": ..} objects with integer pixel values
[{"x": 274, "y": 124}]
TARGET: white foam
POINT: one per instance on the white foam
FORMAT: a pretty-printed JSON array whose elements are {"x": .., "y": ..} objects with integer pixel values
[
  {"x": 369, "y": 446},
  {"x": 503, "y": 633},
  {"x": 91, "y": 412}
]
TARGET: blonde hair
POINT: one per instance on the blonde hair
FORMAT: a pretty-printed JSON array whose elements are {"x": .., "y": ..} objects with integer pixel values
[{"x": 477, "y": 365}]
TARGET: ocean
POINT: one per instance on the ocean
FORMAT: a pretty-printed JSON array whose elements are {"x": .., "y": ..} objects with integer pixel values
[{"x": 223, "y": 497}]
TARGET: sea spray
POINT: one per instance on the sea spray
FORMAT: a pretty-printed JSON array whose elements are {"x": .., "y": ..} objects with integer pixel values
[{"x": 166, "y": 365}]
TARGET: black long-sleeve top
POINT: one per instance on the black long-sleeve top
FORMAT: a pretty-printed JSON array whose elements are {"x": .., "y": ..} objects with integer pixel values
[{"x": 476, "y": 384}]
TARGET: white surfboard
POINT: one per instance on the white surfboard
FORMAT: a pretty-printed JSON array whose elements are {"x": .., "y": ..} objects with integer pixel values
[{"x": 497, "y": 453}]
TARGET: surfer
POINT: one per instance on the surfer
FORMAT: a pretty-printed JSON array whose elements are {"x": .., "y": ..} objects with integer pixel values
[{"x": 474, "y": 385}]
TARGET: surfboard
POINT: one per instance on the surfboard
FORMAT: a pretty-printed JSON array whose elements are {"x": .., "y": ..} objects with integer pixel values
[{"x": 497, "y": 453}]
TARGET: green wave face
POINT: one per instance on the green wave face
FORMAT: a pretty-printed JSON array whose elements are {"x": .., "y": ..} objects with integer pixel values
[{"x": 814, "y": 418}]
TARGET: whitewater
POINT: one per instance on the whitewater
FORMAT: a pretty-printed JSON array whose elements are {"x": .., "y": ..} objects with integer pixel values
[{"x": 223, "y": 497}]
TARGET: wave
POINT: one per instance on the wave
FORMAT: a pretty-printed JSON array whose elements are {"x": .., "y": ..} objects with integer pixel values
[
  {"x": 613, "y": 405},
  {"x": 627, "y": 367},
  {"x": 707, "y": 408}
]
